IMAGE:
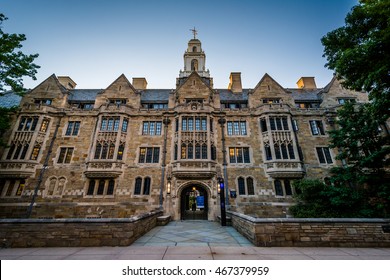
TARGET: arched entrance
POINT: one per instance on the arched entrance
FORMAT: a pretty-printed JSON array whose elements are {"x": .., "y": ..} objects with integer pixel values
[{"x": 194, "y": 203}]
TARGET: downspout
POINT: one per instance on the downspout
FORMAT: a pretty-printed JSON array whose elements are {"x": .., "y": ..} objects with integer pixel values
[
  {"x": 166, "y": 122},
  {"x": 42, "y": 172}
]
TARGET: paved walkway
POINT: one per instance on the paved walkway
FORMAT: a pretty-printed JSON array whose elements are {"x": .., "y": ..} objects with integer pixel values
[
  {"x": 191, "y": 240},
  {"x": 193, "y": 233}
]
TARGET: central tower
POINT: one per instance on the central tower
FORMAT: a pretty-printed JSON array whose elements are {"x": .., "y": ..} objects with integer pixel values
[{"x": 194, "y": 61}]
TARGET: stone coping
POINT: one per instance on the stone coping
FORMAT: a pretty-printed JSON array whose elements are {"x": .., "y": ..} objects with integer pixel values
[
  {"x": 82, "y": 220},
  {"x": 308, "y": 220}
]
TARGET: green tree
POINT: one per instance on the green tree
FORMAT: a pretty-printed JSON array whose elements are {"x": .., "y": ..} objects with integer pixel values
[
  {"x": 5, "y": 122},
  {"x": 359, "y": 52},
  {"x": 364, "y": 151},
  {"x": 14, "y": 65},
  {"x": 318, "y": 200}
]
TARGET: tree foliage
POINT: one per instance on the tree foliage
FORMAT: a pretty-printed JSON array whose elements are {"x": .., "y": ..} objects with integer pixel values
[
  {"x": 361, "y": 186},
  {"x": 5, "y": 122},
  {"x": 359, "y": 52},
  {"x": 315, "y": 199},
  {"x": 14, "y": 64},
  {"x": 364, "y": 150}
]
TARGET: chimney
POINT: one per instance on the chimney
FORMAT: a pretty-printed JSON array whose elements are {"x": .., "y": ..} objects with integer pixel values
[
  {"x": 235, "y": 82},
  {"x": 67, "y": 82},
  {"x": 139, "y": 83},
  {"x": 307, "y": 82}
]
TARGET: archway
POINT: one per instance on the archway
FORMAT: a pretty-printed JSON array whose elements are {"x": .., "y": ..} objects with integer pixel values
[{"x": 194, "y": 203}]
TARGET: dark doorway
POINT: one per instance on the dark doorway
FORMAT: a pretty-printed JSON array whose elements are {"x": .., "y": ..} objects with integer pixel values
[{"x": 194, "y": 203}]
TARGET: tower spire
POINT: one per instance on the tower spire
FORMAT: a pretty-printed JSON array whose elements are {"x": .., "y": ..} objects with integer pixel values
[{"x": 194, "y": 31}]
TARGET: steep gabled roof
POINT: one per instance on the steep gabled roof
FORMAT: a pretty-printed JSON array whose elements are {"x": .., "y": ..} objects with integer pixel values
[
  {"x": 194, "y": 73},
  {"x": 56, "y": 81},
  {"x": 268, "y": 76},
  {"x": 122, "y": 76},
  {"x": 328, "y": 86}
]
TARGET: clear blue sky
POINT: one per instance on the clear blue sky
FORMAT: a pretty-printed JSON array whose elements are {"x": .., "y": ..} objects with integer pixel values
[{"x": 94, "y": 42}]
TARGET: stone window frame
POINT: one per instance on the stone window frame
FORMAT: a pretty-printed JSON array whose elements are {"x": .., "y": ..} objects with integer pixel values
[
  {"x": 193, "y": 123},
  {"x": 244, "y": 155},
  {"x": 73, "y": 128},
  {"x": 244, "y": 190},
  {"x": 236, "y": 128},
  {"x": 92, "y": 190},
  {"x": 317, "y": 128},
  {"x": 152, "y": 128},
  {"x": 285, "y": 188},
  {"x": 324, "y": 155},
  {"x": 12, "y": 187},
  {"x": 57, "y": 188},
  {"x": 27, "y": 123},
  {"x": 63, "y": 155},
  {"x": 142, "y": 186},
  {"x": 150, "y": 151}
]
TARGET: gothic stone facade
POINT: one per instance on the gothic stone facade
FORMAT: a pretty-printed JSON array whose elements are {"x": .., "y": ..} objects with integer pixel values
[{"x": 128, "y": 149}]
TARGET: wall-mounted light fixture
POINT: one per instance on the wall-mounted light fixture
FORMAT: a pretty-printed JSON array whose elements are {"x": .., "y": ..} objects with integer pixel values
[{"x": 169, "y": 185}]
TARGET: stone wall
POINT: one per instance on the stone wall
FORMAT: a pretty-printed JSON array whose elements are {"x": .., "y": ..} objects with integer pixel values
[
  {"x": 286, "y": 232},
  {"x": 75, "y": 232}
]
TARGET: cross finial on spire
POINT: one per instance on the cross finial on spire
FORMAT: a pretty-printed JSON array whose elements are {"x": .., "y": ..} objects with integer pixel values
[{"x": 194, "y": 31}]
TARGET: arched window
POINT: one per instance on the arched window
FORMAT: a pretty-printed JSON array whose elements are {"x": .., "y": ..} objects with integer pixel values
[
  {"x": 104, "y": 151},
  {"x": 138, "y": 185},
  {"x": 194, "y": 65},
  {"x": 146, "y": 186},
  {"x": 183, "y": 151},
  {"x": 204, "y": 151},
  {"x": 197, "y": 151},
  {"x": 278, "y": 188},
  {"x": 249, "y": 185},
  {"x": 110, "y": 189},
  {"x": 98, "y": 150},
  {"x": 121, "y": 149},
  {"x": 60, "y": 187},
  {"x": 241, "y": 186},
  {"x": 175, "y": 152},
  {"x": 194, "y": 49},
  {"x": 190, "y": 151},
  {"x": 52, "y": 186},
  {"x": 213, "y": 152},
  {"x": 284, "y": 151},
  {"x": 111, "y": 151}
]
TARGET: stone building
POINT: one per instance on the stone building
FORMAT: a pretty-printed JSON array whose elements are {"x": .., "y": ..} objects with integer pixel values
[{"x": 128, "y": 149}]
